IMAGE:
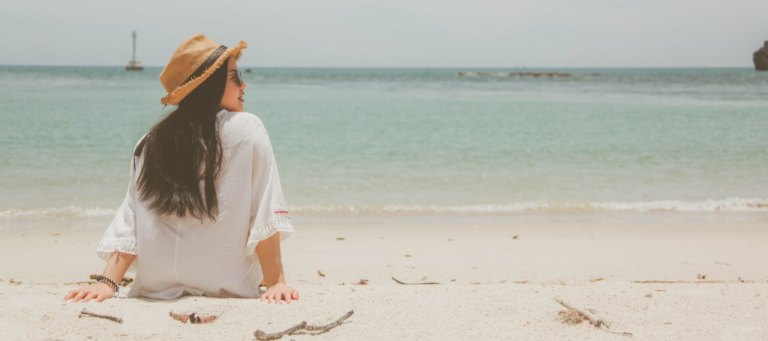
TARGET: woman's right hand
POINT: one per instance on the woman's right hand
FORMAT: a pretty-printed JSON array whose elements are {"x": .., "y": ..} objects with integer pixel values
[{"x": 98, "y": 291}]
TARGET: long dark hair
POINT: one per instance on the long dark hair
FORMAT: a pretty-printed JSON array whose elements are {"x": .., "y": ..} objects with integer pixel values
[{"x": 183, "y": 150}]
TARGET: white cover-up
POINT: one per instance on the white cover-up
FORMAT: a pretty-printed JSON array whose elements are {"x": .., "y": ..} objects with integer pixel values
[{"x": 213, "y": 258}]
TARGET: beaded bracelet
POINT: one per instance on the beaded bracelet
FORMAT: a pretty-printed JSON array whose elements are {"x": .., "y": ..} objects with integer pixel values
[{"x": 113, "y": 284}]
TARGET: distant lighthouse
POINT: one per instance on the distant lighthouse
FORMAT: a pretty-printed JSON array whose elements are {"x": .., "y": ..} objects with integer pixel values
[{"x": 134, "y": 64}]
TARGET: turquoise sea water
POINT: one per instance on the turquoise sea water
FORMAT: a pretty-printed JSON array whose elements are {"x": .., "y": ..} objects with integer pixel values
[{"x": 423, "y": 141}]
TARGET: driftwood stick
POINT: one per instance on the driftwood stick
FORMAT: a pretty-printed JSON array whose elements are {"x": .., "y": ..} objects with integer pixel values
[
  {"x": 264, "y": 336},
  {"x": 108, "y": 317},
  {"x": 330, "y": 325},
  {"x": 193, "y": 318},
  {"x": 599, "y": 323},
  {"x": 303, "y": 325},
  {"x": 594, "y": 320},
  {"x": 179, "y": 317},
  {"x": 201, "y": 319},
  {"x": 404, "y": 283}
]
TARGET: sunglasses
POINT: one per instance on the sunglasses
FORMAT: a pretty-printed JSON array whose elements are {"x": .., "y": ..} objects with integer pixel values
[{"x": 238, "y": 77}]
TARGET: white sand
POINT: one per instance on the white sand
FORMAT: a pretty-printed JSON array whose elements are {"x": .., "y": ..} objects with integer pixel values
[{"x": 557, "y": 260}]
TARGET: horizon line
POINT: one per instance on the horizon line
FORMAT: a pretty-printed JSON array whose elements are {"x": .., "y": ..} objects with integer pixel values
[{"x": 420, "y": 67}]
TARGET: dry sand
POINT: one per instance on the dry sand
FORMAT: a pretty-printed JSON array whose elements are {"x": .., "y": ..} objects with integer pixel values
[{"x": 493, "y": 286}]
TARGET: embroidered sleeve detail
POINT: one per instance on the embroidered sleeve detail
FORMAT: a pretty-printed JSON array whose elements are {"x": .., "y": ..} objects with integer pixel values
[
  {"x": 125, "y": 245},
  {"x": 279, "y": 222}
]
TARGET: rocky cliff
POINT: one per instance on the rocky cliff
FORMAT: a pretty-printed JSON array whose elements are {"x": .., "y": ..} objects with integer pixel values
[{"x": 761, "y": 58}]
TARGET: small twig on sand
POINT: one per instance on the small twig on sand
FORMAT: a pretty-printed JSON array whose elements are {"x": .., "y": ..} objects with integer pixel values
[
  {"x": 201, "y": 319},
  {"x": 192, "y": 318},
  {"x": 599, "y": 323},
  {"x": 108, "y": 317},
  {"x": 179, "y": 317},
  {"x": 330, "y": 325},
  {"x": 260, "y": 335},
  {"x": 404, "y": 283}
]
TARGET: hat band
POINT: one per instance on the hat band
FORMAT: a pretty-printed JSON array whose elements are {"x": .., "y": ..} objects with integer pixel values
[{"x": 207, "y": 63}]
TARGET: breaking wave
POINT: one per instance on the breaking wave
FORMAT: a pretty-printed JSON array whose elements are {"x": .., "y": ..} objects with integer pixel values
[
  {"x": 548, "y": 207},
  {"x": 59, "y": 212},
  {"x": 535, "y": 207}
]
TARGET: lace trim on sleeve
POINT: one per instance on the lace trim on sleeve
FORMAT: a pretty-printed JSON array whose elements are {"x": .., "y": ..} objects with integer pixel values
[
  {"x": 125, "y": 245},
  {"x": 279, "y": 222}
]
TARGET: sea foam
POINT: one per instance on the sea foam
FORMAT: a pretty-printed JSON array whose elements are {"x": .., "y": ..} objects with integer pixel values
[{"x": 733, "y": 205}]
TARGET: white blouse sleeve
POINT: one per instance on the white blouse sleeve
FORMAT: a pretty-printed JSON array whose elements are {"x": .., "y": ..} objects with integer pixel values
[
  {"x": 121, "y": 234},
  {"x": 269, "y": 213}
]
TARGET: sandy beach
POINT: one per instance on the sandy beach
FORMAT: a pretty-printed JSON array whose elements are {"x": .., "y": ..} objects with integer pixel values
[{"x": 497, "y": 281}]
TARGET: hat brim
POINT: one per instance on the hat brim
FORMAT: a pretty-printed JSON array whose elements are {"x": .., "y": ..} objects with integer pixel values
[{"x": 179, "y": 93}]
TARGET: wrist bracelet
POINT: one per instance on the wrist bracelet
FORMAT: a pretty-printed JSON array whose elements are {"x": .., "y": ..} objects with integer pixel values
[{"x": 113, "y": 284}]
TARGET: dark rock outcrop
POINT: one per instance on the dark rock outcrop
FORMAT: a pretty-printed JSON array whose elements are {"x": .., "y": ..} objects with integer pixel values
[
  {"x": 761, "y": 58},
  {"x": 529, "y": 74}
]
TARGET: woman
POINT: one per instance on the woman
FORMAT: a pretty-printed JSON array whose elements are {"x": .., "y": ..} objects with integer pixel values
[{"x": 204, "y": 212}]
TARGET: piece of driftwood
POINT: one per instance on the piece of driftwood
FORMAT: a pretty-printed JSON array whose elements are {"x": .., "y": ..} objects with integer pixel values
[
  {"x": 201, "y": 319},
  {"x": 179, "y": 317},
  {"x": 260, "y": 335},
  {"x": 599, "y": 323},
  {"x": 330, "y": 325},
  {"x": 571, "y": 317},
  {"x": 108, "y": 317},
  {"x": 404, "y": 283},
  {"x": 193, "y": 318}
]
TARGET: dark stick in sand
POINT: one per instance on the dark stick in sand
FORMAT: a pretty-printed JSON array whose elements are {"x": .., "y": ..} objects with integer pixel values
[
  {"x": 264, "y": 336},
  {"x": 404, "y": 283},
  {"x": 201, "y": 319},
  {"x": 303, "y": 325},
  {"x": 599, "y": 323},
  {"x": 113, "y": 318},
  {"x": 179, "y": 317},
  {"x": 193, "y": 318},
  {"x": 330, "y": 325}
]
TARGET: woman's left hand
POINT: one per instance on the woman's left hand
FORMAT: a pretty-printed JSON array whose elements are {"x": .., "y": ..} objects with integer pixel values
[{"x": 280, "y": 291}]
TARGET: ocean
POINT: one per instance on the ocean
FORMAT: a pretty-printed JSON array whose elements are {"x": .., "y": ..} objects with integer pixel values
[{"x": 386, "y": 142}]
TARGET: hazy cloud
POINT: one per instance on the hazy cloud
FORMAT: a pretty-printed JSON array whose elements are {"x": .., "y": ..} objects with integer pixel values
[{"x": 392, "y": 33}]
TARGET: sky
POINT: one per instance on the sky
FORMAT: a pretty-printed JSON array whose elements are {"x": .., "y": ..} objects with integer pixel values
[{"x": 391, "y": 33}]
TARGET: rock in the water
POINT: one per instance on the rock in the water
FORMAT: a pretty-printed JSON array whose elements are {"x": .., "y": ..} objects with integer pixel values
[
  {"x": 506, "y": 74},
  {"x": 761, "y": 58}
]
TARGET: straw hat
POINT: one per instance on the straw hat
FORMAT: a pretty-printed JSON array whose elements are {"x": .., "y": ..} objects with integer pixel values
[{"x": 192, "y": 63}]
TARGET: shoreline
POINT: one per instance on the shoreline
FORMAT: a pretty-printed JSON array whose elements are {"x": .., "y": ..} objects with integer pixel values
[{"x": 44, "y": 223}]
